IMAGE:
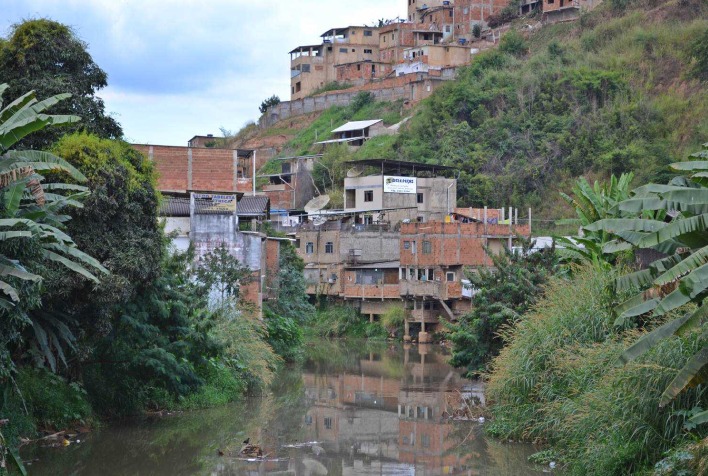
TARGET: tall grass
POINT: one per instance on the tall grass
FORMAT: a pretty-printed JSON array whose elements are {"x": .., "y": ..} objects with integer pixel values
[{"x": 558, "y": 381}]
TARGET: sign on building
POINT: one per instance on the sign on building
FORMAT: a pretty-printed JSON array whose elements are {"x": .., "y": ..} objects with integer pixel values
[{"x": 400, "y": 184}]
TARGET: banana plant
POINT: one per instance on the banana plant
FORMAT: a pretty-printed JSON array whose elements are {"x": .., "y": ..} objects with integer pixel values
[
  {"x": 32, "y": 212},
  {"x": 673, "y": 219},
  {"x": 592, "y": 203}
]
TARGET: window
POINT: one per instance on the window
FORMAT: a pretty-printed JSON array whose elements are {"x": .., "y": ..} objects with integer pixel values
[
  {"x": 419, "y": 219},
  {"x": 413, "y": 247},
  {"x": 425, "y": 441},
  {"x": 353, "y": 50},
  {"x": 305, "y": 68},
  {"x": 450, "y": 276},
  {"x": 447, "y": 28},
  {"x": 368, "y": 52},
  {"x": 309, "y": 248},
  {"x": 368, "y": 33},
  {"x": 358, "y": 67},
  {"x": 406, "y": 245},
  {"x": 427, "y": 248},
  {"x": 450, "y": 12},
  {"x": 298, "y": 87},
  {"x": 368, "y": 195},
  {"x": 368, "y": 220},
  {"x": 465, "y": 11},
  {"x": 329, "y": 247},
  {"x": 328, "y": 423},
  {"x": 308, "y": 420},
  {"x": 420, "y": 198},
  {"x": 342, "y": 50}
]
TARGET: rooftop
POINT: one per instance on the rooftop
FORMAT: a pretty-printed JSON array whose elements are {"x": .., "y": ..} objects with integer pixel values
[
  {"x": 356, "y": 125},
  {"x": 396, "y": 166}
]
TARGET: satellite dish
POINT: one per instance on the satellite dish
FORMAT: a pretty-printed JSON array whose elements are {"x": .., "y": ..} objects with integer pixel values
[
  {"x": 317, "y": 204},
  {"x": 319, "y": 220},
  {"x": 355, "y": 172}
]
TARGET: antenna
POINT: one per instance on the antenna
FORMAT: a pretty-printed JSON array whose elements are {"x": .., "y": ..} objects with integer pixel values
[
  {"x": 316, "y": 204},
  {"x": 319, "y": 220},
  {"x": 355, "y": 172}
]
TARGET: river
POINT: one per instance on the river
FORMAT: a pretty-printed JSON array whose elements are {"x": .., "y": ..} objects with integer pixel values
[{"x": 351, "y": 408}]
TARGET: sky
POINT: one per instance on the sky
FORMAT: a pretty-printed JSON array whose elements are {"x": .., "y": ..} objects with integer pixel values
[{"x": 180, "y": 68}]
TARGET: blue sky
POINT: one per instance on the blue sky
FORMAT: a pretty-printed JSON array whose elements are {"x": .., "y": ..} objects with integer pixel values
[{"x": 177, "y": 68}]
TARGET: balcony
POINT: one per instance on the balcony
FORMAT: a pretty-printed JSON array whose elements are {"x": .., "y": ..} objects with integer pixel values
[
  {"x": 433, "y": 289},
  {"x": 371, "y": 291}
]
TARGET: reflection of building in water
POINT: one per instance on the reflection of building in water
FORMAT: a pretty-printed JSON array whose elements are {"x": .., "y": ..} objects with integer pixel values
[{"x": 387, "y": 416}]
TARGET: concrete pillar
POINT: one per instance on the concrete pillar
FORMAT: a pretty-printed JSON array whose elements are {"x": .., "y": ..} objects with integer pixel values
[
  {"x": 407, "y": 330},
  {"x": 371, "y": 318}
]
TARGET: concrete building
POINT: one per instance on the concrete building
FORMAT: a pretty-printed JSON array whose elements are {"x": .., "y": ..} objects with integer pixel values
[
  {"x": 564, "y": 10},
  {"x": 290, "y": 188},
  {"x": 202, "y": 141},
  {"x": 397, "y": 190},
  {"x": 435, "y": 255},
  {"x": 314, "y": 66},
  {"x": 210, "y": 220},
  {"x": 182, "y": 169}
]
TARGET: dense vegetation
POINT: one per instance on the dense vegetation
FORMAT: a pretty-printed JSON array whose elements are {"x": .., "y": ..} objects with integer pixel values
[{"x": 98, "y": 315}]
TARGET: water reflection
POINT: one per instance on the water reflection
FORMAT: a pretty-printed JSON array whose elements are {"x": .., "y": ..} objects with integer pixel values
[{"x": 350, "y": 409}]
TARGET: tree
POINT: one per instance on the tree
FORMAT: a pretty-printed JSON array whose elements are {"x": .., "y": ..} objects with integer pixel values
[
  {"x": 220, "y": 272},
  {"x": 505, "y": 293},
  {"x": 592, "y": 204},
  {"x": 477, "y": 30},
  {"x": 47, "y": 57},
  {"x": 33, "y": 240},
  {"x": 672, "y": 219},
  {"x": 271, "y": 101}
]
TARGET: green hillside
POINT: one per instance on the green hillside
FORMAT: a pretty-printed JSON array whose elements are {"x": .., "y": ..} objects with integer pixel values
[{"x": 622, "y": 89}]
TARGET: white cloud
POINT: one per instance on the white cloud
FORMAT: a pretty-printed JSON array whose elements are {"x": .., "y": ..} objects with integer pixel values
[{"x": 182, "y": 67}]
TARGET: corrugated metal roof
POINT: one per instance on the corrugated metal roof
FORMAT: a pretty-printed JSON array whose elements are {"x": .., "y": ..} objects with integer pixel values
[
  {"x": 257, "y": 205},
  {"x": 174, "y": 207},
  {"x": 356, "y": 125}
]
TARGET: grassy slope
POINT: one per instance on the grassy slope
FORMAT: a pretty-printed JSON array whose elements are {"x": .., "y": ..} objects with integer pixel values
[{"x": 609, "y": 93}]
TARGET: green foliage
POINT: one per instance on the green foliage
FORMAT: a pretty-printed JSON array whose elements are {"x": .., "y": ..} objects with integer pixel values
[
  {"x": 156, "y": 344},
  {"x": 344, "y": 321},
  {"x": 222, "y": 274},
  {"x": 284, "y": 335},
  {"x": 47, "y": 57},
  {"x": 513, "y": 43},
  {"x": 557, "y": 381},
  {"x": 518, "y": 128},
  {"x": 505, "y": 294},
  {"x": 477, "y": 30},
  {"x": 674, "y": 220},
  {"x": 698, "y": 54},
  {"x": 592, "y": 204},
  {"x": 292, "y": 310},
  {"x": 331, "y": 86},
  {"x": 269, "y": 102},
  {"x": 393, "y": 319}
]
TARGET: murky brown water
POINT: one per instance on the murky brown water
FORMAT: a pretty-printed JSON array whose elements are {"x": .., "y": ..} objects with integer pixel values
[{"x": 351, "y": 408}]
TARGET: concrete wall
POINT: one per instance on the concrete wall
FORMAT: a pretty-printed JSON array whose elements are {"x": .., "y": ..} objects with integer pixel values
[
  {"x": 409, "y": 87},
  {"x": 208, "y": 232}
]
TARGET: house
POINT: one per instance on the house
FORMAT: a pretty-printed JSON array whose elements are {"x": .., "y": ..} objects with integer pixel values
[
  {"x": 355, "y": 133},
  {"x": 564, "y": 10},
  {"x": 202, "y": 141},
  {"x": 434, "y": 256},
  {"x": 209, "y": 220},
  {"x": 396, "y": 190},
  {"x": 183, "y": 169},
  {"x": 314, "y": 66}
]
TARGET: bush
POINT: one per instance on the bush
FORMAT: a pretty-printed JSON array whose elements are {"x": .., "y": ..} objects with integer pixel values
[
  {"x": 558, "y": 381},
  {"x": 393, "y": 319},
  {"x": 513, "y": 43},
  {"x": 284, "y": 335}
]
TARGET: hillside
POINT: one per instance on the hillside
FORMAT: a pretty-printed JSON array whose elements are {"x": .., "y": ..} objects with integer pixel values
[{"x": 621, "y": 89}]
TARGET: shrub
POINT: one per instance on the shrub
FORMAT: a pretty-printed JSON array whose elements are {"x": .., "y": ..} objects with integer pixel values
[
  {"x": 558, "y": 382},
  {"x": 513, "y": 43}
]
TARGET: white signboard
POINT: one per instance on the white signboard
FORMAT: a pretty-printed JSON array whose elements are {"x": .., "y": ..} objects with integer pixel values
[{"x": 400, "y": 184}]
